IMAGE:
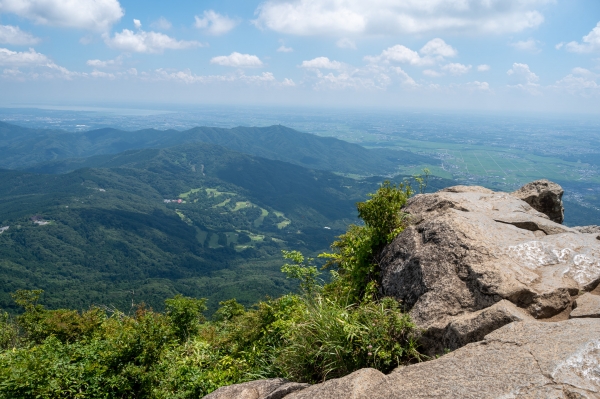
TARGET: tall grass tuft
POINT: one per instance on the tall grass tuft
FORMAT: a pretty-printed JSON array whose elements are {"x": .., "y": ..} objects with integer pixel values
[{"x": 331, "y": 339}]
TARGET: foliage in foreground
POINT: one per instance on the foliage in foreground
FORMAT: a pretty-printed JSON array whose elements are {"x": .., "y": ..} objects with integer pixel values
[{"x": 320, "y": 333}]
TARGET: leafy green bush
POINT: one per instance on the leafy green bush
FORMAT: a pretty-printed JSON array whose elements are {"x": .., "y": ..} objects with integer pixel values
[
  {"x": 355, "y": 256},
  {"x": 9, "y": 332},
  {"x": 185, "y": 315}
]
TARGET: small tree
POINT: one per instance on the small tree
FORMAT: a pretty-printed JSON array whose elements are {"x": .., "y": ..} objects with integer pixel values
[
  {"x": 186, "y": 315},
  {"x": 301, "y": 269},
  {"x": 31, "y": 321},
  {"x": 356, "y": 253},
  {"x": 228, "y": 310}
]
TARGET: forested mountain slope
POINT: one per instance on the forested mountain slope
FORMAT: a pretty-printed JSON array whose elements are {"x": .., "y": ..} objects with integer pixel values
[
  {"x": 143, "y": 225},
  {"x": 21, "y": 147}
]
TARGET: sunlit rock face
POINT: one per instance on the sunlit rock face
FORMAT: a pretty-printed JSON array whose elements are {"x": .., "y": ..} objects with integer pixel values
[
  {"x": 468, "y": 248},
  {"x": 544, "y": 196}
]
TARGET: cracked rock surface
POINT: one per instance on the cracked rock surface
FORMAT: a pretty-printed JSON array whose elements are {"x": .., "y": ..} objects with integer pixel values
[
  {"x": 544, "y": 196},
  {"x": 469, "y": 248},
  {"x": 520, "y": 360},
  {"x": 275, "y": 388}
]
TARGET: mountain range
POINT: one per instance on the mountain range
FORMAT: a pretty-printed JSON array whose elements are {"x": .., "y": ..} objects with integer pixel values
[
  {"x": 23, "y": 147},
  {"x": 145, "y": 224}
]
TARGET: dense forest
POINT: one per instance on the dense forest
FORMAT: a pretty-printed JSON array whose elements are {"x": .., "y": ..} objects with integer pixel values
[
  {"x": 23, "y": 147},
  {"x": 145, "y": 225}
]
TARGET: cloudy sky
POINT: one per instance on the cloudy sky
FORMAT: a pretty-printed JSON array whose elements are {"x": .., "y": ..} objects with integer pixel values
[{"x": 517, "y": 55}]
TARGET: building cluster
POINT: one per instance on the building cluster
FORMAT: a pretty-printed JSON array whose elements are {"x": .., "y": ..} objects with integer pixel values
[{"x": 39, "y": 221}]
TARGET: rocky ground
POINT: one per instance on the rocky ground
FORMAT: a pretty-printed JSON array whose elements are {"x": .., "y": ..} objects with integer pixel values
[{"x": 498, "y": 280}]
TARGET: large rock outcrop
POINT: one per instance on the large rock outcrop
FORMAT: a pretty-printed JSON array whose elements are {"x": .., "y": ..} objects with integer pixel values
[
  {"x": 468, "y": 248},
  {"x": 554, "y": 360},
  {"x": 493, "y": 277}
]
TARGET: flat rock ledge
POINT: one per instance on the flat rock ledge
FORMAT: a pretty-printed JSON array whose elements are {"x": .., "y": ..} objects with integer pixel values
[
  {"x": 276, "y": 388},
  {"x": 587, "y": 305},
  {"x": 526, "y": 359}
]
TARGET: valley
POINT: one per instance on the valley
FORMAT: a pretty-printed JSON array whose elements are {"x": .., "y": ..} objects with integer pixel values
[
  {"x": 145, "y": 224},
  {"x": 114, "y": 218}
]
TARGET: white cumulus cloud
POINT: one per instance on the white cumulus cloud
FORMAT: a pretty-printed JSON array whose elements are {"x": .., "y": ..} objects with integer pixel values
[
  {"x": 97, "y": 15},
  {"x": 432, "y": 73},
  {"x": 326, "y": 74},
  {"x": 433, "y": 51},
  {"x": 346, "y": 43},
  {"x": 238, "y": 60},
  {"x": 186, "y": 76},
  {"x": 580, "y": 81},
  {"x": 106, "y": 64},
  {"x": 591, "y": 42},
  {"x": 147, "y": 42},
  {"x": 283, "y": 49},
  {"x": 214, "y": 23},
  {"x": 483, "y": 68},
  {"x": 161, "y": 24},
  {"x": 438, "y": 47},
  {"x": 529, "y": 45},
  {"x": 14, "y": 35},
  {"x": 456, "y": 69},
  {"x": 342, "y": 17},
  {"x": 23, "y": 58},
  {"x": 100, "y": 74},
  {"x": 522, "y": 77},
  {"x": 521, "y": 74},
  {"x": 321, "y": 63},
  {"x": 32, "y": 65},
  {"x": 479, "y": 86}
]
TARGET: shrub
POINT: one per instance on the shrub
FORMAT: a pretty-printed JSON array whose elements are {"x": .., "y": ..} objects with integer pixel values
[
  {"x": 356, "y": 253},
  {"x": 185, "y": 315},
  {"x": 228, "y": 310},
  {"x": 9, "y": 332},
  {"x": 331, "y": 340}
]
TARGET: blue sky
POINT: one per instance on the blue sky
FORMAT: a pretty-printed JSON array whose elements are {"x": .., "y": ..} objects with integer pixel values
[{"x": 515, "y": 55}]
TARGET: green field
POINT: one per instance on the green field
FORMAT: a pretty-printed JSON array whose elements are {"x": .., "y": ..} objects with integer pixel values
[{"x": 494, "y": 166}]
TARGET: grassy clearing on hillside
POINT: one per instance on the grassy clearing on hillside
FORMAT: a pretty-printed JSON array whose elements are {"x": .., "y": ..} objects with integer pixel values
[
  {"x": 222, "y": 204},
  {"x": 242, "y": 205},
  {"x": 213, "y": 192},
  {"x": 283, "y": 224},
  {"x": 187, "y": 194}
]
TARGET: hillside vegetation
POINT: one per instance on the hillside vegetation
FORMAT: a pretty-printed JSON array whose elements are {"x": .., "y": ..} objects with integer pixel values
[
  {"x": 106, "y": 235},
  {"x": 146, "y": 224},
  {"x": 323, "y": 332},
  {"x": 22, "y": 147}
]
